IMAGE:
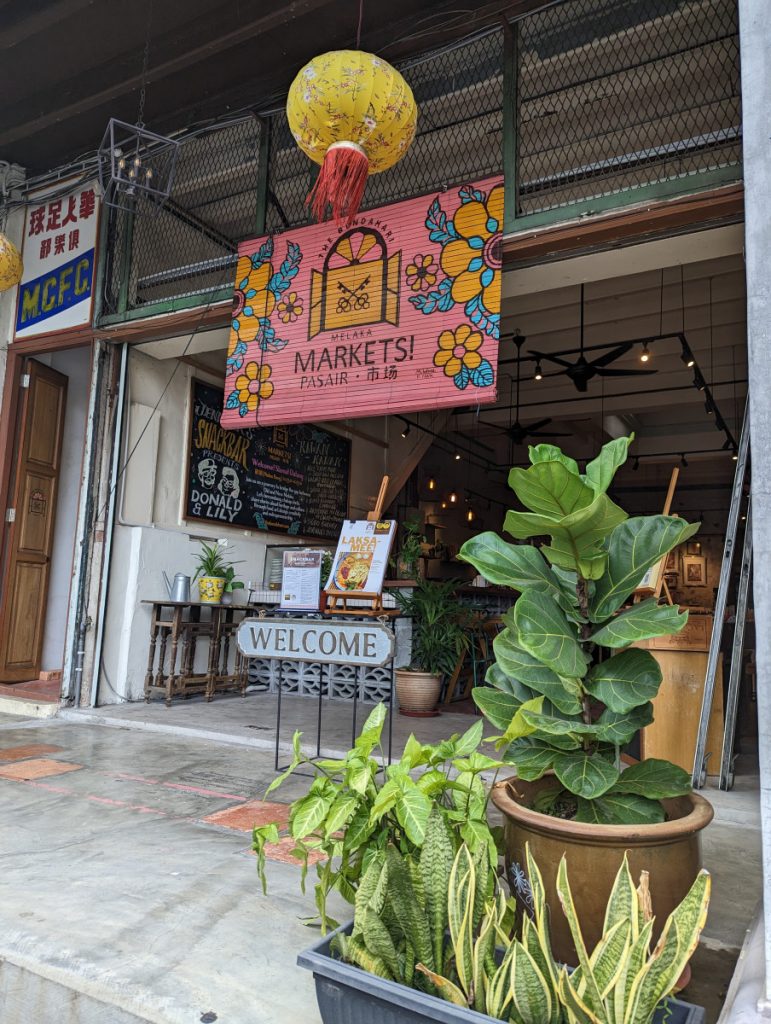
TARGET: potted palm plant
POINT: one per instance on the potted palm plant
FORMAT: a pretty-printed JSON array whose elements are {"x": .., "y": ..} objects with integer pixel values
[
  {"x": 569, "y": 690},
  {"x": 211, "y": 573},
  {"x": 438, "y": 640}
]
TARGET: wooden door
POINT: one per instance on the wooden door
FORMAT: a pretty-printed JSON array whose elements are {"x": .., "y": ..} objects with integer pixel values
[{"x": 27, "y": 558}]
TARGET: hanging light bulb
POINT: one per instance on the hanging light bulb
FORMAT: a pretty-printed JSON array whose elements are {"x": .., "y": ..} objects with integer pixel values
[
  {"x": 645, "y": 355},
  {"x": 457, "y": 456},
  {"x": 470, "y": 516},
  {"x": 538, "y": 373},
  {"x": 444, "y": 504},
  {"x": 431, "y": 484},
  {"x": 453, "y": 497}
]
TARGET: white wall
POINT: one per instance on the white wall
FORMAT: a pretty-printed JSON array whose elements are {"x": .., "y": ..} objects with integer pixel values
[{"x": 75, "y": 364}]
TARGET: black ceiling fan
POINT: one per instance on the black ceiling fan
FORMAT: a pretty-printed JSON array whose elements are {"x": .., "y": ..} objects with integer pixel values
[
  {"x": 517, "y": 432},
  {"x": 583, "y": 369}
]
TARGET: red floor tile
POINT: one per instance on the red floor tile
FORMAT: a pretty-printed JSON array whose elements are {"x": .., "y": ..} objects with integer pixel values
[
  {"x": 41, "y": 690},
  {"x": 32, "y": 750},
  {"x": 38, "y": 768},
  {"x": 244, "y": 817},
  {"x": 282, "y": 852}
]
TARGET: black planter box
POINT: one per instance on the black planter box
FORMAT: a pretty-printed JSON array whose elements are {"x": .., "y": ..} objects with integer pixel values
[{"x": 348, "y": 995}]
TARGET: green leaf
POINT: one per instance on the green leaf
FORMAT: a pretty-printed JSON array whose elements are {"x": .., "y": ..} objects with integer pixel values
[
  {"x": 413, "y": 754},
  {"x": 620, "y": 726},
  {"x": 545, "y": 633},
  {"x": 340, "y": 812},
  {"x": 530, "y": 991},
  {"x": 403, "y": 901},
  {"x": 307, "y": 814},
  {"x": 412, "y": 810},
  {"x": 460, "y": 906},
  {"x": 620, "y": 809},
  {"x": 600, "y": 471},
  {"x": 436, "y": 859},
  {"x": 470, "y": 740},
  {"x": 530, "y": 757},
  {"x": 359, "y": 829},
  {"x": 591, "y": 995},
  {"x": 576, "y": 538},
  {"x": 518, "y": 566},
  {"x": 564, "y": 694},
  {"x": 585, "y": 775},
  {"x": 519, "y": 726},
  {"x": 447, "y": 989},
  {"x": 497, "y": 678},
  {"x": 626, "y": 680},
  {"x": 515, "y": 663},
  {"x": 550, "y": 489},
  {"x": 551, "y": 453},
  {"x": 378, "y": 941},
  {"x": 623, "y": 903},
  {"x": 655, "y": 779},
  {"x": 359, "y": 775},
  {"x": 499, "y": 708},
  {"x": 633, "y": 547},
  {"x": 640, "y": 622},
  {"x": 385, "y": 800}
]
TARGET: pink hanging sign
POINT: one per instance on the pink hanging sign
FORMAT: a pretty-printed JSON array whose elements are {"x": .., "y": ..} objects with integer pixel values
[{"x": 398, "y": 313}]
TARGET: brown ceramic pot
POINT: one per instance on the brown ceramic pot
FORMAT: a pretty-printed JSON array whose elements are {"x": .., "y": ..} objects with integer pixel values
[
  {"x": 670, "y": 851},
  {"x": 417, "y": 692}
]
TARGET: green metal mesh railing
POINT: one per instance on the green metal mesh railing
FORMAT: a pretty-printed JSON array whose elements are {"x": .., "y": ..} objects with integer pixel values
[
  {"x": 609, "y": 99},
  {"x": 618, "y": 94}
]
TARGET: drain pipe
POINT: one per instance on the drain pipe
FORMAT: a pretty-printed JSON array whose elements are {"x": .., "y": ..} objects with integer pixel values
[
  {"x": 109, "y": 524},
  {"x": 74, "y": 677}
]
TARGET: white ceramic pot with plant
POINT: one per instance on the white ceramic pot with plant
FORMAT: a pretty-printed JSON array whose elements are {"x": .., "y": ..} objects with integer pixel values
[
  {"x": 232, "y": 587},
  {"x": 438, "y": 640}
]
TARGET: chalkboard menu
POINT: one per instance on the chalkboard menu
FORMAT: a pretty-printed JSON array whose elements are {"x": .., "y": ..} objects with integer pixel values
[{"x": 290, "y": 480}]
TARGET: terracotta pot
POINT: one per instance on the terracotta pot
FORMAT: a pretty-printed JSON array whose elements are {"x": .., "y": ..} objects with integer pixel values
[
  {"x": 417, "y": 692},
  {"x": 670, "y": 851},
  {"x": 210, "y": 588}
]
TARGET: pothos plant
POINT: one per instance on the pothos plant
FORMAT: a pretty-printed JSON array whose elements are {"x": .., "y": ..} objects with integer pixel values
[
  {"x": 567, "y": 689},
  {"x": 355, "y": 809}
]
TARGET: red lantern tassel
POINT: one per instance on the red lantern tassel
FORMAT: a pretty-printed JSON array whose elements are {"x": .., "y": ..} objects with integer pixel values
[{"x": 341, "y": 182}]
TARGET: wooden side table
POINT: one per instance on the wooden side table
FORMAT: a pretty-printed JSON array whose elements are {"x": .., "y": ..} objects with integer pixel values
[{"x": 170, "y": 630}]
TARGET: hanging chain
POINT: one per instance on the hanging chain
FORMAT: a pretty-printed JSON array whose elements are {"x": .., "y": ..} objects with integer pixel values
[{"x": 145, "y": 62}]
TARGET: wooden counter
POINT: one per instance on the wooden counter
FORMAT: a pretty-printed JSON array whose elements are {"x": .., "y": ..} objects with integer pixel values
[{"x": 676, "y": 709}]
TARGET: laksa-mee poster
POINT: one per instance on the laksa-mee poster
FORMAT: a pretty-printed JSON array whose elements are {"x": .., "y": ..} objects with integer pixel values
[{"x": 398, "y": 312}]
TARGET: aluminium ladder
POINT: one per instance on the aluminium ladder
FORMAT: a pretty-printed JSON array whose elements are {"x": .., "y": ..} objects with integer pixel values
[{"x": 699, "y": 775}]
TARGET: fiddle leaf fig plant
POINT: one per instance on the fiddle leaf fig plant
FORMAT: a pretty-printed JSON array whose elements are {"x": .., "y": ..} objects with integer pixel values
[{"x": 567, "y": 688}]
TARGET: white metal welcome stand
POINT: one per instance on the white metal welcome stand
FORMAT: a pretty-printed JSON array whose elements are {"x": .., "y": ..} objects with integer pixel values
[{"x": 313, "y": 638}]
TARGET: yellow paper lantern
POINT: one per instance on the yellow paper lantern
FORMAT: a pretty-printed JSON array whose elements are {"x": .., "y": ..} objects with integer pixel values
[
  {"x": 11, "y": 266},
  {"x": 355, "y": 115}
]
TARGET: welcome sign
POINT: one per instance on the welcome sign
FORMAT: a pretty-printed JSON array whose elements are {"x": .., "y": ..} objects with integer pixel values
[{"x": 400, "y": 312}]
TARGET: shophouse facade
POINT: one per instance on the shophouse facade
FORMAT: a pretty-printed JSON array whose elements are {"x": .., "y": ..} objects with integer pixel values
[{"x": 631, "y": 140}]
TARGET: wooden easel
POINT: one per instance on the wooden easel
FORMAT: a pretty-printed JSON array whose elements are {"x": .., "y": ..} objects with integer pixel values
[
  {"x": 659, "y": 582},
  {"x": 337, "y": 603}
]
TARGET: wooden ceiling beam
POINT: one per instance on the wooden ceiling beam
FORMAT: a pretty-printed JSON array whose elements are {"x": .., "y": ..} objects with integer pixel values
[{"x": 282, "y": 14}]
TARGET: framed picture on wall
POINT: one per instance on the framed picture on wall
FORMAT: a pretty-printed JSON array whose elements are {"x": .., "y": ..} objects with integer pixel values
[
  {"x": 694, "y": 571},
  {"x": 671, "y": 565}
]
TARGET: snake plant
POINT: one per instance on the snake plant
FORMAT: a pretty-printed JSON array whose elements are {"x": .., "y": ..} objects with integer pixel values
[
  {"x": 568, "y": 690},
  {"x": 457, "y": 940}
]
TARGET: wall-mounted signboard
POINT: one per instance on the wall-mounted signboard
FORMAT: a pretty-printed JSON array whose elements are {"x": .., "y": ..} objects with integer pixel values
[
  {"x": 291, "y": 480},
  {"x": 60, "y": 259},
  {"x": 398, "y": 312}
]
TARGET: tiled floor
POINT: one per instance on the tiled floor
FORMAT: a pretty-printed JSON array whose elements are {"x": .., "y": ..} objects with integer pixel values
[
  {"x": 37, "y": 768},
  {"x": 31, "y": 750}
]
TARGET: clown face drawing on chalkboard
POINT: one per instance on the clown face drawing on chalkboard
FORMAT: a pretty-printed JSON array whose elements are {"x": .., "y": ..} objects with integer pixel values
[
  {"x": 229, "y": 484},
  {"x": 207, "y": 472}
]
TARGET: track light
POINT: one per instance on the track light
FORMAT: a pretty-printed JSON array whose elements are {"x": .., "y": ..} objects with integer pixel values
[
  {"x": 683, "y": 460},
  {"x": 708, "y": 407},
  {"x": 698, "y": 381},
  {"x": 735, "y": 456},
  {"x": 407, "y": 428},
  {"x": 646, "y": 354},
  {"x": 687, "y": 357},
  {"x": 538, "y": 373}
]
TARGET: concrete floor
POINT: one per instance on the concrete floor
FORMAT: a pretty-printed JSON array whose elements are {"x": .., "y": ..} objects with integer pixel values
[{"x": 124, "y": 901}]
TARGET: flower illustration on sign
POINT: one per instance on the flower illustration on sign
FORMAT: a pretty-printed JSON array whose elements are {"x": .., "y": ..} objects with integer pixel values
[
  {"x": 252, "y": 387},
  {"x": 458, "y": 355},
  {"x": 421, "y": 273},
  {"x": 470, "y": 258},
  {"x": 260, "y": 289},
  {"x": 290, "y": 308}
]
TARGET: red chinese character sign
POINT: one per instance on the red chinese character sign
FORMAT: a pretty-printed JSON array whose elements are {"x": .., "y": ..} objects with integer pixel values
[
  {"x": 399, "y": 312},
  {"x": 60, "y": 236}
]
